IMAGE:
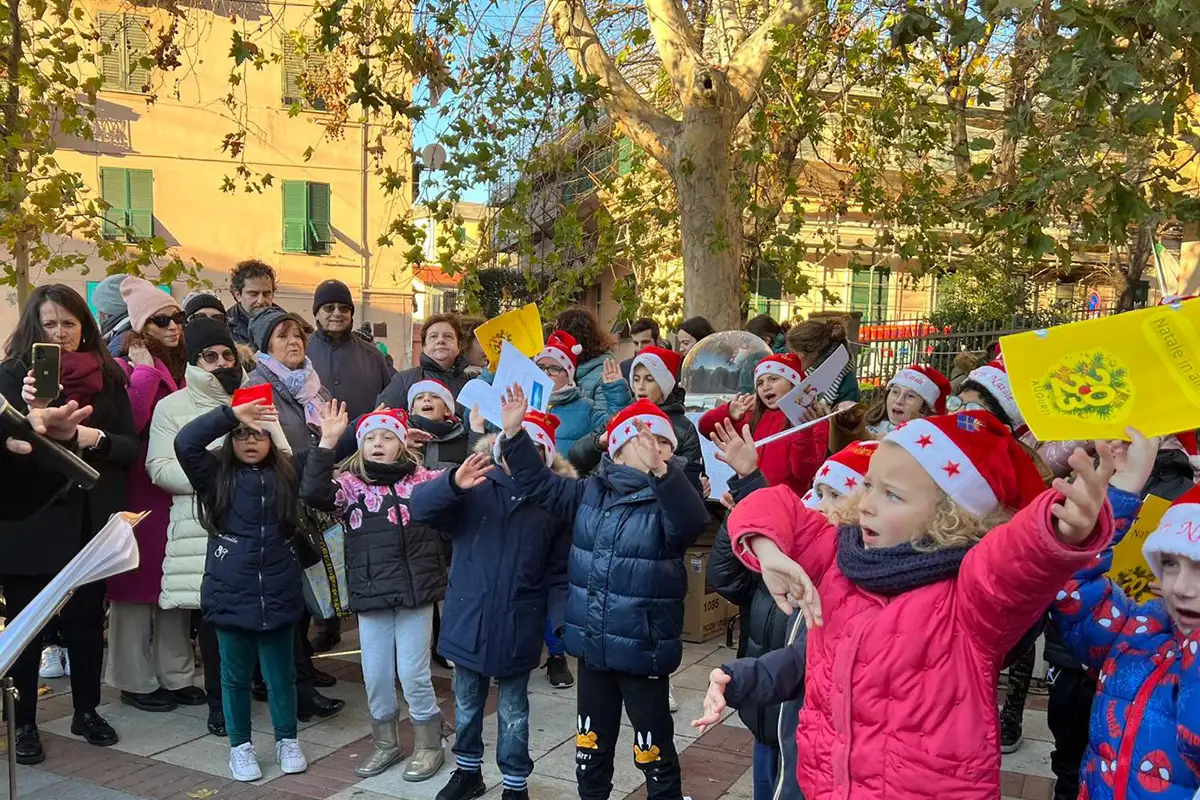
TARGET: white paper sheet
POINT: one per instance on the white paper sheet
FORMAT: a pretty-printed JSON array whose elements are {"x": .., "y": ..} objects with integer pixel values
[
  {"x": 719, "y": 473},
  {"x": 480, "y": 393},
  {"x": 110, "y": 552},
  {"x": 816, "y": 384},
  {"x": 515, "y": 367}
]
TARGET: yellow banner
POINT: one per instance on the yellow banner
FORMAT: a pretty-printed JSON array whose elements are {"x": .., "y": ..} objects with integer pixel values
[
  {"x": 1129, "y": 568},
  {"x": 522, "y": 327},
  {"x": 1092, "y": 379}
]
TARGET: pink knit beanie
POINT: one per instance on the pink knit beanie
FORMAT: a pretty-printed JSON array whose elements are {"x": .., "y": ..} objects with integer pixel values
[{"x": 143, "y": 299}]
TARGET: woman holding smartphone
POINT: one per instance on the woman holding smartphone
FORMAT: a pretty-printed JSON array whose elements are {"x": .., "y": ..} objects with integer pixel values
[{"x": 33, "y": 550}]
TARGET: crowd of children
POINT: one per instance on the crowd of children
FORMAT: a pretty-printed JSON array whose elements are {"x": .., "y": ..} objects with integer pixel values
[{"x": 887, "y": 568}]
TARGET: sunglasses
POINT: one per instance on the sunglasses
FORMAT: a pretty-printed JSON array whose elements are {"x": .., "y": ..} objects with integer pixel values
[
  {"x": 337, "y": 308},
  {"x": 165, "y": 320},
  {"x": 213, "y": 357},
  {"x": 245, "y": 434}
]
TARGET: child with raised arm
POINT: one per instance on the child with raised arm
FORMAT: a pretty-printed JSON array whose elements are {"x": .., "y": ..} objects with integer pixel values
[
  {"x": 922, "y": 606},
  {"x": 632, "y": 524}
]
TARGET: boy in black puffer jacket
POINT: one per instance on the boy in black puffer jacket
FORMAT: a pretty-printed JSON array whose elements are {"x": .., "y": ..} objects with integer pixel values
[
  {"x": 632, "y": 524},
  {"x": 431, "y": 411}
]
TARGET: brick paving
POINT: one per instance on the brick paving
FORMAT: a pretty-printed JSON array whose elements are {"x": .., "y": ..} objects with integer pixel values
[{"x": 172, "y": 757}]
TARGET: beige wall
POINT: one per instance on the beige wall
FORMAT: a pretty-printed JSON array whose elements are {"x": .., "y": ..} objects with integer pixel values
[{"x": 179, "y": 138}]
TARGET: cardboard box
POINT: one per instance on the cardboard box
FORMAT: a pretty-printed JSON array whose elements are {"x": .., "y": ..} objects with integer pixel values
[{"x": 704, "y": 611}]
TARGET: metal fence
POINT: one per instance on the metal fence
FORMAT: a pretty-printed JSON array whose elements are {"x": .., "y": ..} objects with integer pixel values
[{"x": 884, "y": 348}]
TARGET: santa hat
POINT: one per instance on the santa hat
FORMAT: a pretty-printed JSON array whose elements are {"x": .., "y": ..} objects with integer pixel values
[
  {"x": 786, "y": 365},
  {"x": 562, "y": 347},
  {"x": 541, "y": 428},
  {"x": 844, "y": 470},
  {"x": 1178, "y": 532},
  {"x": 434, "y": 387},
  {"x": 393, "y": 420},
  {"x": 973, "y": 458},
  {"x": 927, "y": 382},
  {"x": 621, "y": 428},
  {"x": 993, "y": 377},
  {"x": 662, "y": 363}
]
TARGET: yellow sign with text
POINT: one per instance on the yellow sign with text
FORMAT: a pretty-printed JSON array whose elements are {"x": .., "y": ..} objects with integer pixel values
[
  {"x": 522, "y": 327},
  {"x": 1129, "y": 568},
  {"x": 1092, "y": 379}
]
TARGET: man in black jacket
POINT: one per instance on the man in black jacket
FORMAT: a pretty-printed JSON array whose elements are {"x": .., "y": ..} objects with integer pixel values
[
  {"x": 354, "y": 371},
  {"x": 252, "y": 284}
]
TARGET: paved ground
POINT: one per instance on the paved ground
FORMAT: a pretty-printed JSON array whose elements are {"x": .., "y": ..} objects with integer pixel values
[{"x": 172, "y": 757}]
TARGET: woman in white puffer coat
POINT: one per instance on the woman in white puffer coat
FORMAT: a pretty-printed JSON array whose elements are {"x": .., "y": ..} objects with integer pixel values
[{"x": 213, "y": 375}]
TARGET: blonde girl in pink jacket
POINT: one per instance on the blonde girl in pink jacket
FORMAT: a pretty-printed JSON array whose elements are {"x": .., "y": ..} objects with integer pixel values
[{"x": 922, "y": 606}]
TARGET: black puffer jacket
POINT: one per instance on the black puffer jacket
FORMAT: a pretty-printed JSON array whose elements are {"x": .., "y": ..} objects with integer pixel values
[
  {"x": 395, "y": 394},
  {"x": 450, "y": 445},
  {"x": 391, "y": 562}
]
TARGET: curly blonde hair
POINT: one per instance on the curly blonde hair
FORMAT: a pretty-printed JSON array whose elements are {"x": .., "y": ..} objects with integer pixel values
[{"x": 951, "y": 526}]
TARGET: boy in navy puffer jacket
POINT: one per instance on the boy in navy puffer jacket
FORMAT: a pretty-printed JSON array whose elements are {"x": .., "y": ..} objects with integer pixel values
[{"x": 632, "y": 524}]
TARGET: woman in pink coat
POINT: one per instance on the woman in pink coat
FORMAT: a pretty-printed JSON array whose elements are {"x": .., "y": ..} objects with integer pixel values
[
  {"x": 901, "y": 678},
  {"x": 154, "y": 673}
]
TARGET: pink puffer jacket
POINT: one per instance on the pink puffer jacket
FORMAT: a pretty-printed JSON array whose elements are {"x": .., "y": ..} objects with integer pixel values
[{"x": 901, "y": 693}]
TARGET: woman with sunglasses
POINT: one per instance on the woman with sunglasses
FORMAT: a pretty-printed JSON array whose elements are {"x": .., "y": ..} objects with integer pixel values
[
  {"x": 150, "y": 651},
  {"x": 213, "y": 375}
]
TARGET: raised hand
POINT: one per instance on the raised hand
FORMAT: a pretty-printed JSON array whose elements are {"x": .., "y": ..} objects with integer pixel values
[
  {"x": 473, "y": 471},
  {"x": 787, "y": 581},
  {"x": 735, "y": 449},
  {"x": 1133, "y": 460},
  {"x": 740, "y": 406},
  {"x": 646, "y": 446},
  {"x": 254, "y": 413},
  {"x": 512, "y": 409},
  {"x": 139, "y": 356},
  {"x": 1084, "y": 497},
  {"x": 612, "y": 372},
  {"x": 714, "y": 700},
  {"x": 478, "y": 423},
  {"x": 418, "y": 438},
  {"x": 334, "y": 421}
]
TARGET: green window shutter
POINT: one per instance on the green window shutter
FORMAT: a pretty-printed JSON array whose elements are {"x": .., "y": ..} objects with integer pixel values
[
  {"x": 321, "y": 232},
  {"x": 295, "y": 216},
  {"x": 114, "y": 190},
  {"x": 141, "y": 203},
  {"x": 111, "y": 28},
  {"x": 293, "y": 66},
  {"x": 137, "y": 47}
]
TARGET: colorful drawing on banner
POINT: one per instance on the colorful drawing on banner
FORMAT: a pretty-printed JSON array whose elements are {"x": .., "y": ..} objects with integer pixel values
[
  {"x": 1129, "y": 569},
  {"x": 522, "y": 328},
  {"x": 1092, "y": 379}
]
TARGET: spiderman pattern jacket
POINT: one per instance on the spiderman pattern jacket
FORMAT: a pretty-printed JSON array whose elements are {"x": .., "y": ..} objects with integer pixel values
[{"x": 1144, "y": 739}]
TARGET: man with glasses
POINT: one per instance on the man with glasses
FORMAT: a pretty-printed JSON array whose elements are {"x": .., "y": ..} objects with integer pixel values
[{"x": 353, "y": 371}]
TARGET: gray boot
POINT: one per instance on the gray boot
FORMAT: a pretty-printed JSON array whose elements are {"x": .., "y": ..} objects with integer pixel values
[
  {"x": 428, "y": 753},
  {"x": 386, "y": 749}
]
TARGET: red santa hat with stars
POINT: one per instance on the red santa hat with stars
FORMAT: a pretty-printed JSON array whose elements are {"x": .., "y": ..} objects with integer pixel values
[
  {"x": 562, "y": 348},
  {"x": 393, "y": 420},
  {"x": 843, "y": 471},
  {"x": 786, "y": 365},
  {"x": 993, "y": 377},
  {"x": 1178, "y": 532},
  {"x": 622, "y": 427},
  {"x": 434, "y": 387},
  {"x": 927, "y": 382},
  {"x": 663, "y": 365},
  {"x": 541, "y": 428},
  {"x": 973, "y": 458}
]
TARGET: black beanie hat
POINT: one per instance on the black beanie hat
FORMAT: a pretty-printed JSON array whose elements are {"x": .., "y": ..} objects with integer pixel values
[
  {"x": 198, "y": 300},
  {"x": 203, "y": 333},
  {"x": 331, "y": 291}
]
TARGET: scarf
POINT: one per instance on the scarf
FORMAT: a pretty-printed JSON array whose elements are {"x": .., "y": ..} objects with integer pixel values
[
  {"x": 890, "y": 571},
  {"x": 567, "y": 394},
  {"x": 389, "y": 474},
  {"x": 303, "y": 384},
  {"x": 81, "y": 376},
  {"x": 438, "y": 430}
]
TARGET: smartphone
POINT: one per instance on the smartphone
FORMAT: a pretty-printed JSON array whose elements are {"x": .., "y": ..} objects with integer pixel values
[
  {"x": 251, "y": 393},
  {"x": 47, "y": 360}
]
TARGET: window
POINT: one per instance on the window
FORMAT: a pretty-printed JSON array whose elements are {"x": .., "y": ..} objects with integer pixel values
[
  {"x": 306, "y": 227},
  {"x": 130, "y": 195},
  {"x": 869, "y": 293},
  {"x": 445, "y": 302},
  {"x": 295, "y": 66},
  {"x": 125, "y": 42}
]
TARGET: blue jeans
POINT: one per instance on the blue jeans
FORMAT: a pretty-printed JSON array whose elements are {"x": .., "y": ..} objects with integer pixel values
[
  {"x": 766, "y": 770},
  {"x": 554, "y": 642},
  {"x": 512, "y": 711}
]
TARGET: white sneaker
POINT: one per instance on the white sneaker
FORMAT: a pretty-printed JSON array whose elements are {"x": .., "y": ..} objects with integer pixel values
[
  {"x": 52, "y": 662},
  {"x": 66, "y": 663},
  {"x": 243, "y": 763},
  {"x": 291, "y": 760},
  {"x": 672, "y": 703}
]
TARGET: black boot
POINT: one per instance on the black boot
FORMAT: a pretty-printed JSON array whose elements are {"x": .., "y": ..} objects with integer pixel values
[
  {"x": 216, "y": 722},
  {"x": 463, "y": 785},
  {"x": 29, "y": 745},
  {"x": 92, "y": 727}
]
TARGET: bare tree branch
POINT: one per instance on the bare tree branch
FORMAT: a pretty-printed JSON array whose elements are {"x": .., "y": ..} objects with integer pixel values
[
  {"x": 677, "y": 45},
  {"x": 730, "y": 27},
  {"x": 749, "y": 63},
  {"x": 650, "y": 129}
]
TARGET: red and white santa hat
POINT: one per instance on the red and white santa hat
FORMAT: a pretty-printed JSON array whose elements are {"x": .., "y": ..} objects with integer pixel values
[
  {"x": 994, "y": 378},
  {"x": 843, "y": 471},
  {"x": 973, "y": 458},
  {"x": 1178, "y": 532},
  {"x": 394, "y": 420},
  {"x": 662, "y": 363},
  {"x": 786, "y": 365},
  {"x": 930, "y": 384},
  {"x": 541, "y": 428},
  {"x": 562, "y": 347},
  {"x": 434, "y": 387},
  {"x": 621, "y": 428}
]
